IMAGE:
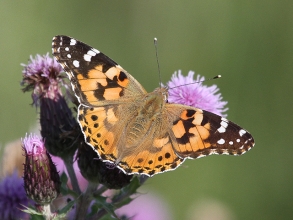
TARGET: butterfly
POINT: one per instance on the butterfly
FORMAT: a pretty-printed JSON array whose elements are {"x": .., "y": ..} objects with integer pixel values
[{"x": 140, "y": 132}]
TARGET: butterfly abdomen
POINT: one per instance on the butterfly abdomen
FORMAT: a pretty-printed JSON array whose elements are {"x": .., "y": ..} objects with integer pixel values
[{"x": 144, "y": 124}]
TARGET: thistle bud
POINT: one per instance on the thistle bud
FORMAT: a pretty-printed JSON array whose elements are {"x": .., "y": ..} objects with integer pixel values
[
  {"x": 41, "y": 179},
  {"x": 58, "y": 126},
  {"x": 43, "y": 76}
]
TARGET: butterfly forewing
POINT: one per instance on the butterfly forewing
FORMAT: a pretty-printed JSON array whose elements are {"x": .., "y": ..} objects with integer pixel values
[
  {"x": 138, "y": 131},
  {"x": 96, "y": 79}
]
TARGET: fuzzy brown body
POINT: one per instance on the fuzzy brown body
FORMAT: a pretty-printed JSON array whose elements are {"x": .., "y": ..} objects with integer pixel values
[{"x": 143, "y": 123}]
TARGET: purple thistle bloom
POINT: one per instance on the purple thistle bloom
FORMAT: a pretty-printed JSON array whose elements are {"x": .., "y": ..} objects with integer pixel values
[
  {"x": 12, "y": 197},
  {"x": 44, "y": 65},
  {"x": 42, "y": 75},
  {"x": 33, "y": 145},
  {"x": 41, "y": 179},
  {"x": 196, "y": 94}
]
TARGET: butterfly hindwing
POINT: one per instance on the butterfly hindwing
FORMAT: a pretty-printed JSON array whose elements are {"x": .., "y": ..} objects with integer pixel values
[
  {"x": 197, "y": 133},
  {"x": 151, "y": 162}
]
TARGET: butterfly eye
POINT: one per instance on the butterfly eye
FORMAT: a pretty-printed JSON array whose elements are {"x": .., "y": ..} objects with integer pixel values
[
  {"x": 166, "y": 97},
  {"x": 165, "y": 94}
]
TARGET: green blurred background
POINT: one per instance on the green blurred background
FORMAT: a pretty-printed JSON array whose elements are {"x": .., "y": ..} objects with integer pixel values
[{"x": 248, "y": 42}]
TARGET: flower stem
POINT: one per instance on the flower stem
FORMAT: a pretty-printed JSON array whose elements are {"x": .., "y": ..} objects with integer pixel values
[
  {"x": 69, "y": 167},
  {"x": 45, "y": 210},
  {"x": 84, "y": 201}
]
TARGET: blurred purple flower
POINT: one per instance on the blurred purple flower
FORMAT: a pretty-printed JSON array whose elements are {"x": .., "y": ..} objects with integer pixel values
[
  {"x": 12, "y": 197},
  {"x": 145, "y": 207},
  {"x": 82, "y": 182},
  {"x": 196, "y": 94}
]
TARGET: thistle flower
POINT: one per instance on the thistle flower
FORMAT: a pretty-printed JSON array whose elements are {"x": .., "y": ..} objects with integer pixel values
[
  {"x": 41, "y": 179},
  {"x": 42, "y": 75},
  {"x": 58, "y": 127},
  {"x": 12, "y": 197},
  {"x": 196, "y": 94}
]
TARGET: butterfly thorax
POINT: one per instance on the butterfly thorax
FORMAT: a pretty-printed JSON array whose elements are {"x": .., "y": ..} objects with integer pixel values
[{"x": 145, "y": 123}]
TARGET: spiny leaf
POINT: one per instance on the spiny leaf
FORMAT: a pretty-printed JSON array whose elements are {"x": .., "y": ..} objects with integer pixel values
[{"x": 107, "y": 206}]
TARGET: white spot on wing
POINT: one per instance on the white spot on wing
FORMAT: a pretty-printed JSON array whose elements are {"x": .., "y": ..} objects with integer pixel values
[
  {"x": 68, "y": 55},
  {"x": 231, "y": 142},
  {"x": 221, "y": 141},
  {"x": 66, "y": 48},
  {"x": 224, "y": 124},
  {"x": 221, "y": 129},
  {"x": 224, "y": 119},
  {"x": 72, "y": 42},
  {"x": 95, "y": 50},
  {"x": 91, "y": 53},
  {"x": 87, "y": 57},
  {"x": 242, "y": 132},
  {"x": 238, "y": 140},
  {"x": 75, "y": 63}
]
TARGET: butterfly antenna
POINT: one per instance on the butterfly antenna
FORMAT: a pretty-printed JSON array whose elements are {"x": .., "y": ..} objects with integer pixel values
[
  {"x": 157, "y": 57},
  {"x": 215, "y": 77}
]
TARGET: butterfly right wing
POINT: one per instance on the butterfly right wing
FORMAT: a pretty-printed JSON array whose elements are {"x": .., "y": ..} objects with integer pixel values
[
  {"x": 196, "y": 133},
  {"x": 187, "y": 132}
]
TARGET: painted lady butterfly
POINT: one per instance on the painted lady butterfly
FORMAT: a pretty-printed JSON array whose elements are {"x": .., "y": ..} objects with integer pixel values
[{"x": 138, "y": 131}]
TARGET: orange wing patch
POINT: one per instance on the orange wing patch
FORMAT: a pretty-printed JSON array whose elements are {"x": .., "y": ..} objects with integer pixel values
[
  {"x": 191, "y": 133},
  {"x": 96, "y": 132},
  {"x": 150, "y": 163},
  {"x": 96, "y": 86}
]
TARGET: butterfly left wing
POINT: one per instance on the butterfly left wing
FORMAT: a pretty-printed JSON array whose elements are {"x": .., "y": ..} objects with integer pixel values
[
  {"x": 96, "y": 79},
  {"x": 104, "y": 89}
]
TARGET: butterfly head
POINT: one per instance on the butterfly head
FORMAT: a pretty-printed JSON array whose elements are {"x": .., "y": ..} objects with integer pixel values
[{"x": 163, "y": 92}]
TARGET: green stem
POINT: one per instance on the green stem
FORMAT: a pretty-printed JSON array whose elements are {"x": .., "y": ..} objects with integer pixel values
[
  {"x": 84, "y": 201},
  {"x": 68, "y": 161},
  {"x": 119, "y": 199},
  {"x": 46, "y": 211}
]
